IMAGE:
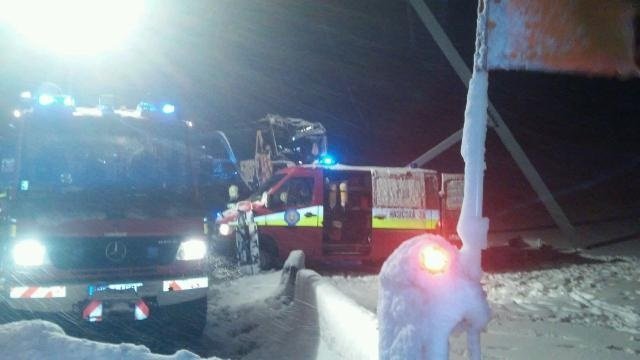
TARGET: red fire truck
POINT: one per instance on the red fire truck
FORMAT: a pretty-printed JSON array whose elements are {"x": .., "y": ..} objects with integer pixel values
[
  {"x": 104, "y": 212},
  {"x": 337, "y": 212}
]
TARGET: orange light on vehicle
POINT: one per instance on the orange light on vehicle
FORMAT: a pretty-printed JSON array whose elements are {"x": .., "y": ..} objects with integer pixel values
[{"x": 434, "y": 258}]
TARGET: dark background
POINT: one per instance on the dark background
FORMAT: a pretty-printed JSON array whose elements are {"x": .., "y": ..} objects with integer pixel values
[{"x": 371, "y": 73}]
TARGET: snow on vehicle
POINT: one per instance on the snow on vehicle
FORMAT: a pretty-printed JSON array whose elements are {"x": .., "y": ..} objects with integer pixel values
[
  {"x": 104, "y": 216},
  {"x": 340, "y": 212},
  {"x": 283, "y": 141}
]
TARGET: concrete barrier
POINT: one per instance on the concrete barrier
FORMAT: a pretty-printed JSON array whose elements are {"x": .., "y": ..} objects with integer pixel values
[{"x": 344, "y": 326}]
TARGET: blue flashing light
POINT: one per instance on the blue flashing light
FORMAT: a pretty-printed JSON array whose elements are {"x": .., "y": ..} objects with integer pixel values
[
  {"x": 69, "y": 101},
  {"x": 327, "y": 160},
  {"x": 46, "y": 100},
  {"x": 144, "y": 106},
  {"x": 168, "y": 108}
]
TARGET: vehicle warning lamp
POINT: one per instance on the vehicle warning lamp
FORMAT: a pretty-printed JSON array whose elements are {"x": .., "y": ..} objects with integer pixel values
[
  {"x": 168, "y": 109},
  {"x": 434, "y": 258},
  {"x": 327, "y": 160}
]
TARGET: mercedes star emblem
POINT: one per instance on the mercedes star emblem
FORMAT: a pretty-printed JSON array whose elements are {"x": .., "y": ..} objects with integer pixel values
[{"x": 115, "y": 251}]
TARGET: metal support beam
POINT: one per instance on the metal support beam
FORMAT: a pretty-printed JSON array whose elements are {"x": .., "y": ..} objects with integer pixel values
[
  {"x": 438, "y": 149},
  {"x": 505, "y": 135}
]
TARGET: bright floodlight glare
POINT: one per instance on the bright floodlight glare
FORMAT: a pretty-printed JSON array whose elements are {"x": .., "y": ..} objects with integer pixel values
[
  {"x": 434, "y": 258},
  {"x": 225, "y": 229},
  {"x": 168, "y": 108},
  {"x": 72, "y": 27},
  {"x": 46, "y": 99},
  {"x": 28, "y": 253},
  {"x": 194, "y": 249},
  {"x": 25, "y": 95},
  {"x": 17, "y": 113}
]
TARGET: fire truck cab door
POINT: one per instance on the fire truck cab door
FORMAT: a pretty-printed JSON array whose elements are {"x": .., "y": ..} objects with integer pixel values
[{"x": 294, "y": 218}]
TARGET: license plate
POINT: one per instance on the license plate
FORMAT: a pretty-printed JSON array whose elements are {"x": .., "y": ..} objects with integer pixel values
[{"x": 122, "y": 290}]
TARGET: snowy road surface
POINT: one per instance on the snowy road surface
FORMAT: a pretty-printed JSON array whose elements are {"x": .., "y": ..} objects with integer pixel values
[
  {"x": 246, "y": 319},
  {"x": 560, "y": 309}
]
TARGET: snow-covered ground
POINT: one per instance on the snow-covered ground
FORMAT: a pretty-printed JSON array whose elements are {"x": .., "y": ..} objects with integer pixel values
[
  {"x": 565, "y": 307},
  {"x": 248, "y": 317},
  {"x": 588, "y": 309},
  {"x": 39, "y": 339}
]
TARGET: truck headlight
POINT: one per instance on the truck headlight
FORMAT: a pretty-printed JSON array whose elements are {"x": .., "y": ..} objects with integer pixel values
[
  {"x": 29, "y": 253},
  {"x": 193, "y": 249},
  {"x": 225, "y": 229}
]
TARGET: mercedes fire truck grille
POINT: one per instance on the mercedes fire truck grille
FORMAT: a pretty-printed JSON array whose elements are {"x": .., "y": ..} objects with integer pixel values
[{"x": 72, "y": 253}]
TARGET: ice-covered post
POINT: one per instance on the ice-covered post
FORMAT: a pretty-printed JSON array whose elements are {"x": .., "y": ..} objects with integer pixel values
[
  {"x": 429, "y": 288},
  {"x": 472, "y": 227}
]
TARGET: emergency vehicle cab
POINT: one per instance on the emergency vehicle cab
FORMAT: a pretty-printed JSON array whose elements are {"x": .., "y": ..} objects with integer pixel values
[
  {"x": 104, "y": 213},
  {"x": 340, "y": 212}
]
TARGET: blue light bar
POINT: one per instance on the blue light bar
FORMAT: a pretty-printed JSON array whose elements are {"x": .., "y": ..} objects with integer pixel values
[
  {"x": 60, "y": 100},
  {"x": 46, "y": 100},
  {"x": 69, "y": 101},
  {"x": 327, "y": 160},
  {"x": 168, "y": 108}
]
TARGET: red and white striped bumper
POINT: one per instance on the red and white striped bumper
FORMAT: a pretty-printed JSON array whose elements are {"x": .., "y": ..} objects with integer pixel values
[
  {"x": 68, "y": 297},
  {"x": 38, "y": 292},
  {"x": 185, "y": 284}
]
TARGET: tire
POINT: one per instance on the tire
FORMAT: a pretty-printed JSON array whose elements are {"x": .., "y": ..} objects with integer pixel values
[
  {"x": 268, "y": 254},
  {"x": 186, "y": 320}
]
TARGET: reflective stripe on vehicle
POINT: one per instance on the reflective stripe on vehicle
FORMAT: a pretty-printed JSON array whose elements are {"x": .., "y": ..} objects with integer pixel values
[
  {"x": 93, "y": 311},
  {"x": 185, "y": 284},
  {"x": 398, "y": 218},
  {"x": 304, "y": 217},
  {"x": 141, "y": 311},
  {"x": 37, "y": 292},
  {"x": 383, "y": 218}
]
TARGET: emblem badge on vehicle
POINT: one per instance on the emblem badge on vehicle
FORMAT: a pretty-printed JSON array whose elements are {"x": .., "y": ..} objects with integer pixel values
[
  {"x": 115, "y": 251},
  {"x": 291, "y": 217}
]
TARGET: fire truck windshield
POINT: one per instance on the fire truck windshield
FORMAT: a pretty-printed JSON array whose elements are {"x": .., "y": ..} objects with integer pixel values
[
  {"x": 90, "y": 168},
  {"x": 268, "y": 184}
]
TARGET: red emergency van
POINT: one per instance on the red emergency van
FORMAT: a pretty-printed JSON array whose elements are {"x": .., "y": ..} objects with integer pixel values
[{"x": 342, "y": 212}]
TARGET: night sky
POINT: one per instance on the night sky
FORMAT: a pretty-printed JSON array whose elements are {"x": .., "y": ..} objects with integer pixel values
[{"x": 370, "y": 72}]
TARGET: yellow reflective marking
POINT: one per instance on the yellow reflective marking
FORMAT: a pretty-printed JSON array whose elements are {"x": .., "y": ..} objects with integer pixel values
[
  {"x": 427, "y": 224},
  {"x": 278, "y": 218}
]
